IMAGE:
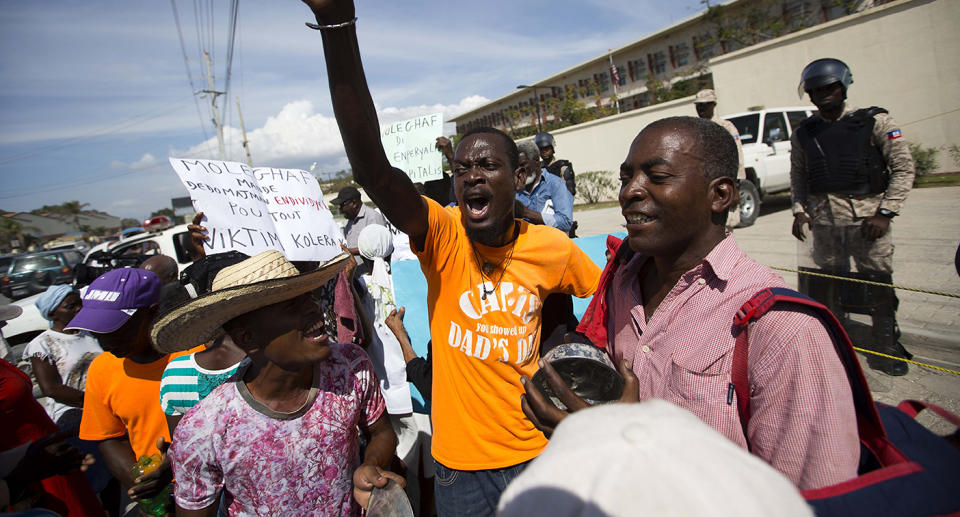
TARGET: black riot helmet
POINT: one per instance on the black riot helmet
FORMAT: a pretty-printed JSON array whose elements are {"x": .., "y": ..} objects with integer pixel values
[
  {"x": 823, "y": 72},
  {"x": 543, "y": 140}
]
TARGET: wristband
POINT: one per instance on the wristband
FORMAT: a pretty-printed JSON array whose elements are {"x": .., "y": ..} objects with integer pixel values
[{"x": 317, "y": 27}]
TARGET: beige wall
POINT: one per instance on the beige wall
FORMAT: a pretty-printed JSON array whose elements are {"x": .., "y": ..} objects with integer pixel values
[
  {"x": 905, "y": 57},
  {"x": 601, "y": 145}
]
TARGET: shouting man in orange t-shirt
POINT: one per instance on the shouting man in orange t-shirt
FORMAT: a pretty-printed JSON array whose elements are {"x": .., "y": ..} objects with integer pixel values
[{"x": 487, "y": 273}]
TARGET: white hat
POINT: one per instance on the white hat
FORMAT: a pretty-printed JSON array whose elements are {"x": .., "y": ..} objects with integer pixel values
[
  {"x": 652, "y": 458},
  {"x": 706, "y": 95}
]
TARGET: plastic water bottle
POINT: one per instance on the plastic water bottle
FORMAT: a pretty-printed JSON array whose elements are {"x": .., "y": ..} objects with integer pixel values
[{"x": 157, "y": 505}]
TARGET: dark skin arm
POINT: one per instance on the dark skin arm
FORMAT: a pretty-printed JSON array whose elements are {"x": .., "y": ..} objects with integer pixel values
[
  {"x": 45, "y": 457},
  {"x": 446, "y": 148},
  {"x": 394, "y": 322},
  {"x": 172, "y": 421},
  {"x": 119, "y": 457},
  {"x": 373, "y": 471},
  {"x": 197, "y": 236},
  {"x": 545, "y": 416},
  {"x": 390, "y": 189},
  {"x": 209, "y": 511},
  {"x": 875, "y": 227},
  {"x": 800, "y": 219},
  {"x": 525, "y": 213},
  {"x": 51, "y": 384}
]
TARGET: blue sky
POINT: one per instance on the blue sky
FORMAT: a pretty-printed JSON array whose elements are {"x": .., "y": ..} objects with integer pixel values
[{"x": 94, "y": 94}]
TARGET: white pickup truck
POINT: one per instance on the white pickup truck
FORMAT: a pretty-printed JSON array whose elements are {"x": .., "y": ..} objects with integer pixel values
[
  {"x": 172, "y": 242},
  {"x": 765, "y": 136}
]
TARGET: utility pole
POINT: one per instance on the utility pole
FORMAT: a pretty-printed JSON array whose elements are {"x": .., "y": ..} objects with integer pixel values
[
  {"x": 213, "y": 101},
  {"x": 243, "y": 129}
]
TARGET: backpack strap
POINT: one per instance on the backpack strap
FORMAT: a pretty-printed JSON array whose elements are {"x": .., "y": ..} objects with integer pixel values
[{"x": 869, "y": 427}]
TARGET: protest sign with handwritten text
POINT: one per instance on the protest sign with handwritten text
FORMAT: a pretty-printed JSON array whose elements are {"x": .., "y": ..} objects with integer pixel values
[
  {"x": 411, "y": 146},
  {"x": 254, "y": 209}
]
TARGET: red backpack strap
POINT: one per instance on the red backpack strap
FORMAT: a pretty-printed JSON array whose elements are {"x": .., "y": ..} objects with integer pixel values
[
  {"x": 870, "y": 429},
  {"x": 914, "y": 407}
]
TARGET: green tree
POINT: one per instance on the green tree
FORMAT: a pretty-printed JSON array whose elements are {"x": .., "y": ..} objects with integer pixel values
[
  {"x": 129, "y": 222},
  {"x": 10, "y": 230},
  {"x": 163, "y": 211},
  {"x": 924, "y": 159},
  {"x": 596, "y": 186}
]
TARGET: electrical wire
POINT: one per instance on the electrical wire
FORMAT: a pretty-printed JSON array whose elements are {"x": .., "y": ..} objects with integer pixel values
[
  {"x": 79, "y": 182},
  {"x": 96, "y": 133},
  {"x": 231, "y": 40},
  {"x": 186, "y": 64}
]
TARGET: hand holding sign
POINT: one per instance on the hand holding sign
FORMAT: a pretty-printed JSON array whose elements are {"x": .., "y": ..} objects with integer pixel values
[
  {"x": 410, "y": 145},
  {"x": 256, "y": 209}
]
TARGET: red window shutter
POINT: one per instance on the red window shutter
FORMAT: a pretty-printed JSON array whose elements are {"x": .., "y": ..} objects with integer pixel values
[{"x": 673, "y": 62}]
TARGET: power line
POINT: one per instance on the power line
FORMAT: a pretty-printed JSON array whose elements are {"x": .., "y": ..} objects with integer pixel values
[
  {"x": 186, "y": 64},
  {"x": 96, "y": 133},
  {"x": 77, "y": 183}
]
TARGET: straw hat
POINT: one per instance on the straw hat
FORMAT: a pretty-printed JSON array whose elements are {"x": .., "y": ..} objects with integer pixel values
[{"x": 259, "y": 281}]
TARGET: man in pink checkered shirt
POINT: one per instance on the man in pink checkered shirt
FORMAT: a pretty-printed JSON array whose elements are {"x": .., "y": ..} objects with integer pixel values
[{"x": 670, "y": 309}]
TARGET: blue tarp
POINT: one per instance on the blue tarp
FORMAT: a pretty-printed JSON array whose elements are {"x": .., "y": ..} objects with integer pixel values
[{"x": 410, "y": 288}]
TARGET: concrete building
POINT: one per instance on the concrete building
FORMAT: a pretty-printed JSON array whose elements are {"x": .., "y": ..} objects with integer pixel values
[
  {"x": 680, "y": 52},
  {"x": 903, "y": 55}
]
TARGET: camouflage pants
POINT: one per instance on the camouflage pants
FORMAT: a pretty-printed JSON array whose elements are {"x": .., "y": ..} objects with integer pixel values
[{"x": 835, "y": 245}]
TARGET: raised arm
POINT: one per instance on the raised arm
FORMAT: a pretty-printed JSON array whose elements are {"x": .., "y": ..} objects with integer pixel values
[{"x": 389, "y": 188}]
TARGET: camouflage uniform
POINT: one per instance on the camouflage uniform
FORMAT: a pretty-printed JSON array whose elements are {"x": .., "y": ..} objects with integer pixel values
[
  {"x": 836, "y": 222},
  {"x": 836, "y": 218},
  {"x": 733, "y": 219}
]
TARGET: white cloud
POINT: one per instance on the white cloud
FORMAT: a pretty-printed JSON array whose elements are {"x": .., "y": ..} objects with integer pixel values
[
  {"x": 121, "y": 203},
  {"x": 298, "y": 135},
  {"x": 145, "y": 162}
]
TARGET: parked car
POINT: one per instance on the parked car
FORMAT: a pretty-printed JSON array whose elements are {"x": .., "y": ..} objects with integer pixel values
[
  {"x": 32, "y": 273},
  {"x": 173, "y": 242},
  {"x": 765, "y": 136}
]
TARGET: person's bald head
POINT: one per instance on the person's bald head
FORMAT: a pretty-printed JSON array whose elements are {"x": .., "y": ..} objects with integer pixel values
[{"x": 162, "y": 266}]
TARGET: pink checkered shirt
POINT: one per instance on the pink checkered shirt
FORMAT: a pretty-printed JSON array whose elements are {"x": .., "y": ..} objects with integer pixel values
[{"x": 802, "y": 417}]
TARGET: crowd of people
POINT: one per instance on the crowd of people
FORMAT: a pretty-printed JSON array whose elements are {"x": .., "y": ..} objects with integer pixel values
[{"x": 253, "y": 385}]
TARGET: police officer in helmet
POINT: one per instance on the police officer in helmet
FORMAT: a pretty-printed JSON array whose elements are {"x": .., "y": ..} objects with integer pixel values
[
  {"x": 561, "y": 168},
  {"x": 851, "y": 171}
]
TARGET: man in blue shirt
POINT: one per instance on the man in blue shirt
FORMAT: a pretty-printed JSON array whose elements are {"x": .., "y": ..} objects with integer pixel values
[{"x": 543, "y": 198}]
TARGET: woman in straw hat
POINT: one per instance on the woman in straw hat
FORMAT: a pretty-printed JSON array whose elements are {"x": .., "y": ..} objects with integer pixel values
[{"x": 281, "y": 438}]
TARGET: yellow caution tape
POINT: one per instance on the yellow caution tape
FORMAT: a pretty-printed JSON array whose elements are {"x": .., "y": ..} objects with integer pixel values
[
  {"x": 906, "y": 360},
  {"x": 870, "y": 282}
]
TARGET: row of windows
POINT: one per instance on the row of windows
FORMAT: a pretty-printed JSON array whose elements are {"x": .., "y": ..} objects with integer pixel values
[{"x": 658, "y": 63}]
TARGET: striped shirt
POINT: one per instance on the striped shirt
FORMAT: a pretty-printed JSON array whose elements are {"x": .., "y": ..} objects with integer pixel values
[
  {"x": 185, "y": 383},
  {"x": 802, "y": 417}
]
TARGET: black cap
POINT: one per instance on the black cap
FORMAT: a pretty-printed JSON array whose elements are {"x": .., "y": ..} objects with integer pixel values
[{"x": 345, "y": 194}]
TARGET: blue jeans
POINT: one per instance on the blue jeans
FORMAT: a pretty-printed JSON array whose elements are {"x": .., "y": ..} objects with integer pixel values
[{"x": 471, "y": 492}]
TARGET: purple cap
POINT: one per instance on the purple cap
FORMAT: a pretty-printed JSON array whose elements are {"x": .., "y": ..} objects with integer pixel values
[{"x": 115, "y": 296}]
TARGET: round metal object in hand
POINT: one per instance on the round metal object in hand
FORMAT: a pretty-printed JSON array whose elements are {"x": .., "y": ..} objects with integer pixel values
[{"x": 586, "y": 370}]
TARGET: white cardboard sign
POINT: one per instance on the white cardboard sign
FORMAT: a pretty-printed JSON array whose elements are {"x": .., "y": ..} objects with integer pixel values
[
  {"x": 255, "y": 209},
  {"x": 411, "y": 146}
]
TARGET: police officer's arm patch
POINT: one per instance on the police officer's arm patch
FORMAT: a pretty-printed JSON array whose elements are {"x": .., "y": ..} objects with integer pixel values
[{"x": 893, "y": 135}]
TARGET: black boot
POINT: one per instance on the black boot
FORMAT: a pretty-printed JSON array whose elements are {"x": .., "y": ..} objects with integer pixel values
[{"x": 885, "y": 342}]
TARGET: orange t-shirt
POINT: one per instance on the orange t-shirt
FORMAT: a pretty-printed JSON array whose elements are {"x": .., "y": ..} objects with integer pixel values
[
  {"x": 481, "y": 347},
  {"x": 123, "y": 397}
]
